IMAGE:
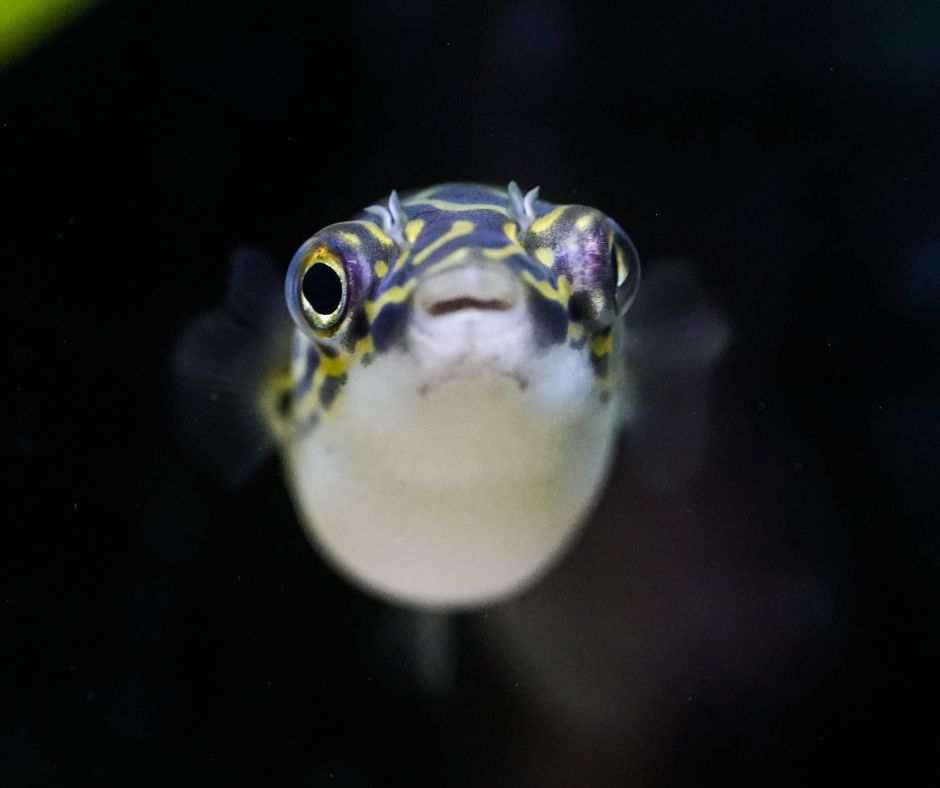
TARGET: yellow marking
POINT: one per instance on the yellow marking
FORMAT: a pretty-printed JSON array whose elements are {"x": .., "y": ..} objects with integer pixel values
[
  {"x": 424, "y": 194},
  {"x": 603, "y": 344},
  {"x": 322, "y": 254},
  {"x": 350, "y": 237},
  {"x": 510, "y": 229},
  {"x": 394, "y": 295},
  {"x": 311, "y": 400},
  {"x": 401, "y": 259},
  {"x": 545, "y": 222},
  {"x": 334, "y": 367},
  {"x": 280, "y": 380},
  {"x": 502, "y": 252},
  {"x": 457, "y": 229},
  {"x": 273, "y": 388},
  {"x": 575, "y": 331},
  {"x": 304, "y": 407},
  {"x": 456, "y": 207},
  {"x": 584, "y": 222},
  {"x": 559, "y": 294},
  {"x": 377, "y": 232},
  {"x": 421, "y": 196},
  {"x": 364, "y": 346},
  {"x": 381, "y": 268},
  {"x": 496, "y": 191},
  {"x": 329, "y": 368},
  {"x": 448, "y": 261},
  {"x": 623, "y": 269},
  {"x": 413, "y": 229},
  {"x": 545, "y": 256}
]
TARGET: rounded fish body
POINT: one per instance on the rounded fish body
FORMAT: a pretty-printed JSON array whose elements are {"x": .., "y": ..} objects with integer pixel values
[{"x": 456, "y": 389}]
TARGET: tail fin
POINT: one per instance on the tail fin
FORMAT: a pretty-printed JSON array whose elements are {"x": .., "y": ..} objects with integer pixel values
[{"x": 231, "y": 370}]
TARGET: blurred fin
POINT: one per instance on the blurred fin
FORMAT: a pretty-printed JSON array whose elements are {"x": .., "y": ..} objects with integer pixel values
[
  {"x": 231, "y": 371},
  {"x": 675, "y": 338},
  {"x": 417, "y": 651}
]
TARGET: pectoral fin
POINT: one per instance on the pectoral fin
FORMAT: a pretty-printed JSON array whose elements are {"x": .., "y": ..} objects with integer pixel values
[
  {"x": 231, "y": 370},
  {"x": 675, "y": 338}
]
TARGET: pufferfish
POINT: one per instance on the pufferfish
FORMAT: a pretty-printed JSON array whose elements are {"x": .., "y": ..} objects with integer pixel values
[{"x": 447, "y": 397}]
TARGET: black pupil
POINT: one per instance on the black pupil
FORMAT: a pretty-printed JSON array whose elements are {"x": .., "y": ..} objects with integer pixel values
[{"x": 322, "y": 289}]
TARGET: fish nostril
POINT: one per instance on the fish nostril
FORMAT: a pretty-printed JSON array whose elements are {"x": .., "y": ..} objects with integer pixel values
[{"x": 466, "y": 302}]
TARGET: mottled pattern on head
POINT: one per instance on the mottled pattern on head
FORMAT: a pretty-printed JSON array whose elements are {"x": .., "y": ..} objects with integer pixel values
[{"x": 579, "y": 269}]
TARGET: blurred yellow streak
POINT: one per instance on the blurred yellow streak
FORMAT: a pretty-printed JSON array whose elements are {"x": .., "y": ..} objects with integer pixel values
[{"x": 25, "y": 23}]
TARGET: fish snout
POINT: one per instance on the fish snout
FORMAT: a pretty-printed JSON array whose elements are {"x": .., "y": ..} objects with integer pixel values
[{"x": 483, "y": 287}]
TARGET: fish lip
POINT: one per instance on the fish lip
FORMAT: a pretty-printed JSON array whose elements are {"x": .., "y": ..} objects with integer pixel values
[
  {"x": 479, "y": 285},
  {"x": 467, "y": 324},
  {"x": 438, "y": 308}
]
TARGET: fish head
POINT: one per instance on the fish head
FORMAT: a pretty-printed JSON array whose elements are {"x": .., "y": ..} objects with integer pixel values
[{"x": 462, "y": 290}]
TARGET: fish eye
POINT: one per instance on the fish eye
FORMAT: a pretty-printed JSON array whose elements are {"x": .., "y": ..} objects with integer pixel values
[
  {"x": 618, "y": 264},
  {"x": 625, "y": 265},
  {"x": 323, "y": 289},
  {"x": 323, "y": 294}
]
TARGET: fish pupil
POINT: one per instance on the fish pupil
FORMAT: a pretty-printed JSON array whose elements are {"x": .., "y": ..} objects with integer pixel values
[{"x": 323, "y": 288}]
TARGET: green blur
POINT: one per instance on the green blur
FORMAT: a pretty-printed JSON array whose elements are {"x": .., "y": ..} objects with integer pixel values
[{"x": 24, "y": 24}]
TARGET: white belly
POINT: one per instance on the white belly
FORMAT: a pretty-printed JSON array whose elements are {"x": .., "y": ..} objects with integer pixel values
[{"x": 457, "y": 496}]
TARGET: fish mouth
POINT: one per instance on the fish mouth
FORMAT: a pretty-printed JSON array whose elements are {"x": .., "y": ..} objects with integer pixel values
[
  {"x": 437, "y": 308},
  {"x": 470, "y": 321},
  {"x": 481, "y": 287}
]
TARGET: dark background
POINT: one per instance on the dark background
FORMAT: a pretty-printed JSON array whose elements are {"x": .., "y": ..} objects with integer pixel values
[{"x": 773, "y": 622}]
